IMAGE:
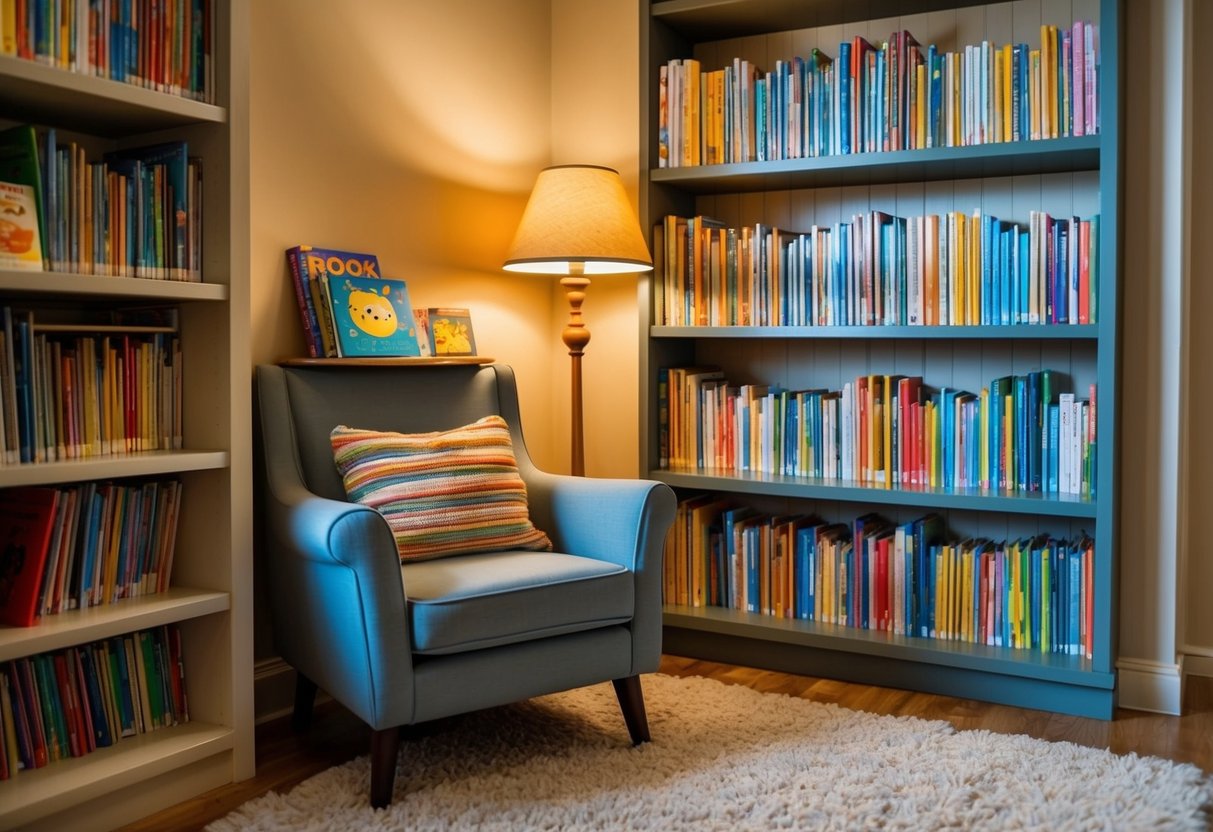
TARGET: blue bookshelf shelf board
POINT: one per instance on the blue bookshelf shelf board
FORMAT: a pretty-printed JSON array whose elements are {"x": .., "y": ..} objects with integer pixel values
[
  {"x": 711, "y": 19},
  {"x": 1051, "y": 505},
  {"x": 971, "y": 162},
  {"x": 1075, "y": 332},
  {"x": 1025, "y": 678}
]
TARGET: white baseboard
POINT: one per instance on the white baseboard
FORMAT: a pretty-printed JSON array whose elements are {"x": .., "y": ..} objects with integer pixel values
[
  {"x": 1150, "y": 686},
  {"x": 1198, "y": 665}
]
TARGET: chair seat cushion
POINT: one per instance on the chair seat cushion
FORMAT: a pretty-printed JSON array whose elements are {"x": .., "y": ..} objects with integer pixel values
[{"x": 486, "y": 600}]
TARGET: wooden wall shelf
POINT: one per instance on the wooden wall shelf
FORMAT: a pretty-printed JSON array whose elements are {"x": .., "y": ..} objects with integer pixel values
[{"x": 386, "y": 361}]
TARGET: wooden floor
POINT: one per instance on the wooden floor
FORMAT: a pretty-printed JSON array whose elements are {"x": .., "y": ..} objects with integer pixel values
[{"x": 284, "y": 759}]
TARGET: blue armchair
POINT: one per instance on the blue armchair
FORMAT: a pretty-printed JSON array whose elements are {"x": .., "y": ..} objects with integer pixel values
[{"x": 402, "y": 644}]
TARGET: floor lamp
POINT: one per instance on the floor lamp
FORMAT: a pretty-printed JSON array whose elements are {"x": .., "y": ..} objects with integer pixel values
[{"x": 578, "y": 222}]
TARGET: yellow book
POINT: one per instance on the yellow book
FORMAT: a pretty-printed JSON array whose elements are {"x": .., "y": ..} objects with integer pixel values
[
  {"x": 7, "y": 720},
  {"x": 1035, "y": 86},
  {"x": 112, "y": 540},
  {"x": 1048, "y": 81},
  {"x": 938, "y": 630},
  {"x": 693, "y": 131},
  {"x": 1008, "y": 433},
  {"x": 959, "y": 264},
  {"x": 967, "y": 594},
  {"x": 932, "y": 442},
  {"x": 1007, "y": 96},
  {"x": 1045, "y": 578},
  {"x": 8, "y": 27}
]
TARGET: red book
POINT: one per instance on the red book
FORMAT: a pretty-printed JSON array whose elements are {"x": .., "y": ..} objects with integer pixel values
[
  {"x": 71, "y": 709},
  {"x": 882, "y": 620},
  {"x": 26, "y": 519}
]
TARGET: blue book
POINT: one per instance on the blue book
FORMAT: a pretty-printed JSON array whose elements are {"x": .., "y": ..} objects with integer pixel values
[
  {"x": 806, "y": 571},
  {"x": 371, "y": 316},
  {"x": 1061, "y": 291},
  {"x": 935, "y": 136},
  {"x": 760, "y": 119},
  {"x": 752, "y": 552},
  {"x": 1022, "y": 274},
  {"x": 843, "y": 79},
  {"x": 1054, "y": 431},
  {"x": 96, "y": 700}
]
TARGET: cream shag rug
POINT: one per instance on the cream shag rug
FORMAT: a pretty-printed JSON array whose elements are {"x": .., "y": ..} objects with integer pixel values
[{"x": 725, "y": 757}]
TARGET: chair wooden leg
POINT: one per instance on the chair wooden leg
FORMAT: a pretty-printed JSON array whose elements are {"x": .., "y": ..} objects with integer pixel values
[
  {"x": 384, "y": 747},
  {"x": 631, "y": 702},
  {"x": 305, "y": 697}
]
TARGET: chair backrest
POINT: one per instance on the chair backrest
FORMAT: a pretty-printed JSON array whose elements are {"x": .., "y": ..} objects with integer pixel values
[{"x": 409, "y": 399}]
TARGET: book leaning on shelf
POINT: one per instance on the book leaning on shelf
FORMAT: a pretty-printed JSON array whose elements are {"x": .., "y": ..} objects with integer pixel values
[
  {"x": 447, "y": 329},
  {"x": 347, "y": 308}
]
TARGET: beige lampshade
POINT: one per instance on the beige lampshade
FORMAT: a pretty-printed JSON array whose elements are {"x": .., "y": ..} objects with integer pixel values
[{"x": 578, "y": 214}]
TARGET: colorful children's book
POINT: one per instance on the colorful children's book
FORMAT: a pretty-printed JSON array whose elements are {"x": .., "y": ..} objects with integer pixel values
[
  {"x": 19, "y": 165},
  {"x": 26, "y": 519},
  {"x": 371, "y": 316},
  {"x": 450, "y": 331},
  {"x": 308, "y": 265},
  {"x": 20, "y": 243}
]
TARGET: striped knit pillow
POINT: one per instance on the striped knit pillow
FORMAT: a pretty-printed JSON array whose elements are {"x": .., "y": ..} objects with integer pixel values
[{"x": 451, "y": 492}]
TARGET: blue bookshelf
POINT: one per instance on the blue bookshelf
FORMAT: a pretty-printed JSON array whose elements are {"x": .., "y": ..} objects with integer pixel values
[{"x": 1078, "y": 174}]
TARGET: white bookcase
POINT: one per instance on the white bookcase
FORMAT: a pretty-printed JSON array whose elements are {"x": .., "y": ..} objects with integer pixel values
[{"x": 210, "y": 598}]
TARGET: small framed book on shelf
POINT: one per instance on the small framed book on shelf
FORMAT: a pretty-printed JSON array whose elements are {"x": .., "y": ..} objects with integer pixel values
[{"x": 448, "y": 330}]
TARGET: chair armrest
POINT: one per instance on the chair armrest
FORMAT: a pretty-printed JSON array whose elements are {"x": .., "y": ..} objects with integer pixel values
[
  {"x": 621, "y": 521},
  {"x": 338, "y": 601},
  {"x": 606, "y": 519}
]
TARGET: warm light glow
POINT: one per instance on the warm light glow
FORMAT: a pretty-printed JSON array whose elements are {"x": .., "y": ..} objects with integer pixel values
[
  {"x": 566, "y": 267},
  {"x": 578, "y": 220}
]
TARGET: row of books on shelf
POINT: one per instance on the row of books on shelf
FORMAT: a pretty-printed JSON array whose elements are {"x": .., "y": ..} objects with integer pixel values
[
  {"x": 164, "y": 45},
  {"x": 68, "y": 395},
  {"x": 1019, "y": 434},
  {"x": 79, "y": 546},
  {"x": 870, "y": 98},
  {"x": 905, "y": 579},
  {"x": 134, "y": 212},
  {"x": 348, "y": 309},
  {"x": 67, "y": 703},
  {"x": 879, "y": 270}
]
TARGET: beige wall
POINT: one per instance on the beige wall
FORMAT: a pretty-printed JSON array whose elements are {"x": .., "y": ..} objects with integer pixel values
[{"x": 404, "y": 130}]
